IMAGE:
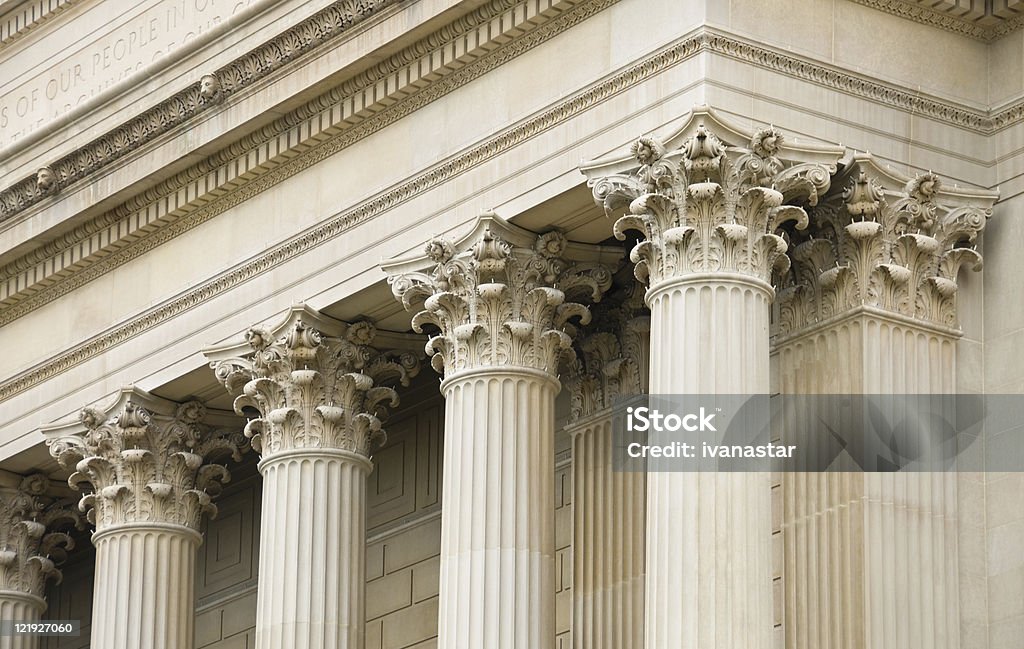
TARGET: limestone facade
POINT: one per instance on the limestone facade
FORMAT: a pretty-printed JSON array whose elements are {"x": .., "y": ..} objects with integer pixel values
[{"x": 315, "y": 315}]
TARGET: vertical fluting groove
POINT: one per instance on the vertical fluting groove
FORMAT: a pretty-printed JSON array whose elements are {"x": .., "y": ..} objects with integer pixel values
[
  {"x": 709, "y": 583},
  {"x": 20, "y": 607},
  {"x": 892, "y": 580},
  {"x": 312, "y": 561},
  {"x": 608, "y": 543},
  {"x": 144, "y": 587},
  {"x": 497, "y": 526}
]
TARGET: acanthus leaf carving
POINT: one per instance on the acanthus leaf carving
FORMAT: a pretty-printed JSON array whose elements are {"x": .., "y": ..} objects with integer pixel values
[
  {"x": 709, "y": 207},
  {"x": 312, "y": 390},
  {"x": 147, "y": 467},
  {"x": 899, "y": 249},
  {"x": 35, "y": 535},
  {"x": 502, "y": 297},
  {"x": 611, "y": 354}
]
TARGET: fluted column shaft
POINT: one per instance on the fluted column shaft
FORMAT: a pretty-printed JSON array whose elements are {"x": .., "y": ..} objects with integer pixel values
[
  {"x": 321, "y": 391},
  {"x": 497, "y": 525},
  {"x": 20, "y": 607},
  {"x": 608, "y": 543},
  {"x": 870, "y": 558},
  {"x": 146, "y": 461},
  {"x": 312, "y": 550},
  {"x": 709, "y": 534},
  {"x": 144, "y": 587}
]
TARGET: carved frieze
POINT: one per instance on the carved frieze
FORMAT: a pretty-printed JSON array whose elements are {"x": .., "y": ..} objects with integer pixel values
[
  {"x": 705, "y": 206},
  {"x": 306, "y": 388},
  {"x": 34, "y": 537},
  {"x": 875, "y": 243},
  {"x": 502, "y": 296},
  {"x": 147, "y": 461}
]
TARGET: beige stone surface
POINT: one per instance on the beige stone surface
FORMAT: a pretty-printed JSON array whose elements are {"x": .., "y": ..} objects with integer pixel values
[{"x": 126, "y": 273}]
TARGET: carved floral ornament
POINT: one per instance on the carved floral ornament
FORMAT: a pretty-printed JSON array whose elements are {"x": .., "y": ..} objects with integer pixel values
[
  {"x": 610, "y": 359},
  {"x": 830, "y": 244},
  {"x": 709, "y": 207},
  {"x": 312, "y": 390},
  {"x": 900, "y": 250},
  {"x": 34, "y": 537},
  {"x": 502, "y": 296},
  {"x": 146, "y": 466}
]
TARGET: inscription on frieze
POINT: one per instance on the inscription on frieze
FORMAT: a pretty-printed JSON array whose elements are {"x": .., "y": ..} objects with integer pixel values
[{"x": 93, "y": 65}]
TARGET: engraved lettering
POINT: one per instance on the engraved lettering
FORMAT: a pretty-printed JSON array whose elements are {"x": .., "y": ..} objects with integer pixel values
[{"x": 91, "y": 68}]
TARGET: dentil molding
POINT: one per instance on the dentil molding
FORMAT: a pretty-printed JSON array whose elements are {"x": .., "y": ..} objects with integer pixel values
[
  {"x": 244, "y": 71},
  {"x": 988, "y": 21}
]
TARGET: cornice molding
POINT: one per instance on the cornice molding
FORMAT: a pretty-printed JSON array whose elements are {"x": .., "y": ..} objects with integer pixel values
[
  {"x": 28, "y": 16},
  {"x": 344, "y": 113},
  {"x": 990, "y": 31},
  {"x": 616, "y": 83},
  {"x": 342, "y": 15},
  {"x": 862, "y": 86},
  {"x": 59, "y": 266},
  {"x": 243, "y": 72},
  {"x": 359, "y": 214}
]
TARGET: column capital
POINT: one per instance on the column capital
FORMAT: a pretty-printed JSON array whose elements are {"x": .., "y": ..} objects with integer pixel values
[
  {"x": 703, "y": 205},
  {"x": 315, "y": 382},
  {"x": 34, "y": 537},
  {"x": 884, "y": 241},
  {"x": 611, "y": 354},
  {"x": 502, "y": 295},
  {"x": 147, "y": 460}
]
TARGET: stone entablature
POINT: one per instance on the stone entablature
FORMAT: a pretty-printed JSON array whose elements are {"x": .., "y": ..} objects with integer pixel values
[
  {"x": 985, "y": 20},
  {"x": 417, "y": 75},
  {"x": 184, "y": 105}
]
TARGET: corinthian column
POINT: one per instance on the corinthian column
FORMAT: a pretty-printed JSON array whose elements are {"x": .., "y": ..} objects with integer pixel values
[
  {"x": 319, "y": 390},
  {"x": 608, "y": 506},
  {"x": 501, "y": 299},
  {"x": 147, "y": 463},
  {"x": 871, "y": 558},
  {"x": 708, "y": 215},
  {"x": 30, "y": 524}
]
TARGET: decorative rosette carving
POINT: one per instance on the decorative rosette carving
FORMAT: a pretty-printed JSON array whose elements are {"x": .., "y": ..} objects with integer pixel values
[
  {"x": 311, "y": 390},
  {"x": 34, "y": 536},
  {"x": 710, "y": 207},
  {"x": 610, "y": 358},
  {"x": 501, "y": 297},
  {"x": 148, "y": 467},
  {"x": 898, "y": 249}
]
